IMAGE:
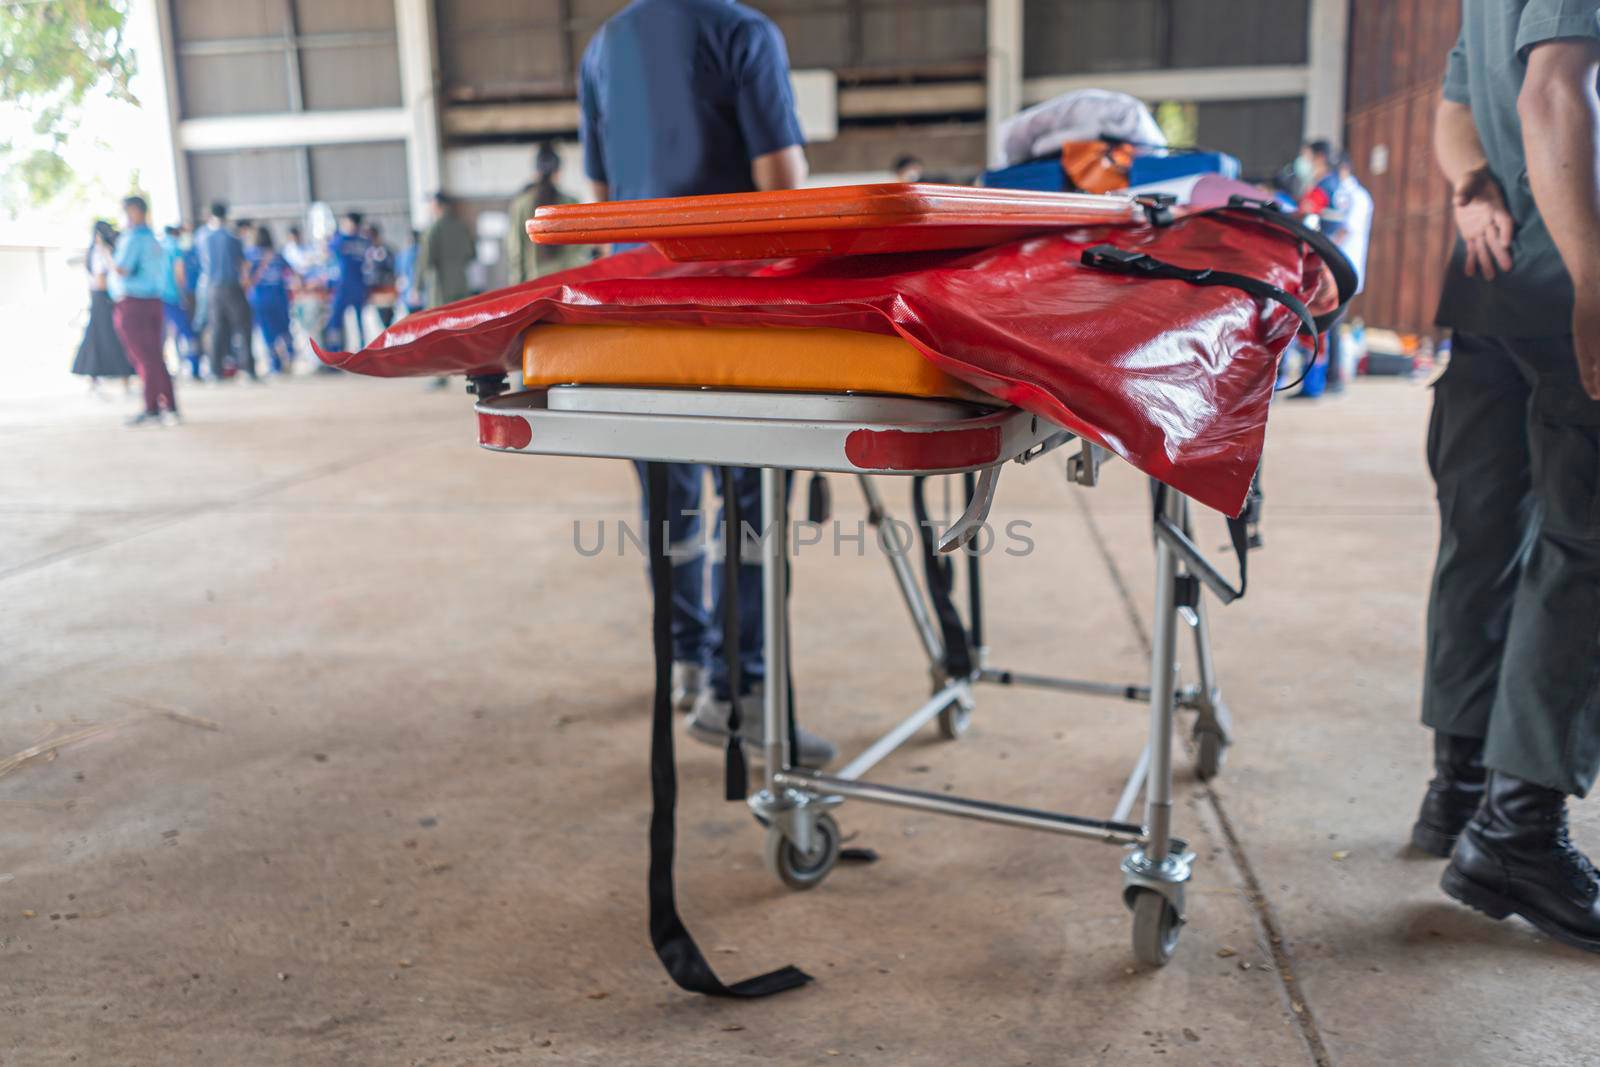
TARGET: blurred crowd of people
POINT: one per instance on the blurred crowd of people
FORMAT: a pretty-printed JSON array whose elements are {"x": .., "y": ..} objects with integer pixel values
[{"x": 227, "y": 300}]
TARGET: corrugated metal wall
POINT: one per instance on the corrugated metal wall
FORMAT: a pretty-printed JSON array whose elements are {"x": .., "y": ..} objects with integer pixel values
[
  {"x": 1397, "y": 54},
  {"x": 260, "y": 56},
  {"x": 1101, "y": 36},
  {"x": 247, "y": 57},
  {"x": 268, "y": 185},
  {"x": 515, "y": 49}
]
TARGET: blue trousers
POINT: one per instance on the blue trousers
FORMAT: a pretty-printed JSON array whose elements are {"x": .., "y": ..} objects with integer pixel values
[
  {"x": 183, "y": 338},
  {"x": 272, "y": 319},
  {"x": 697, "y": 628},
  {"x": 333, "y": 337}
]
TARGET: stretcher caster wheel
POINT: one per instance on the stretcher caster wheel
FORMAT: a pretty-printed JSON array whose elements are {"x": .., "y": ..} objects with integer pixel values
[
  {"x": 803, "y": 870},
  {"x": 1209, "y": 754},
  {"x": 954, "y": 720},
  {"x": 1155, "y": 928}
]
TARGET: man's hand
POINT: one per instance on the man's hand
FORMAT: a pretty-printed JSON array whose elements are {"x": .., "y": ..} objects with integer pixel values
[
  {"x": 1484, "y": 223},
  {"x": 1586, "y": 339}
]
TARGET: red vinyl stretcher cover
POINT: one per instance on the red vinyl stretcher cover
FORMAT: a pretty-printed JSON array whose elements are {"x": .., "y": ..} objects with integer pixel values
[{"x": 1173, "y": 377}]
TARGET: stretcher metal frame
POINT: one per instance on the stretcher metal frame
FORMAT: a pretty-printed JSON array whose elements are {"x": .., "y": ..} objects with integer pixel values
[{"x": 875, "y": 435}]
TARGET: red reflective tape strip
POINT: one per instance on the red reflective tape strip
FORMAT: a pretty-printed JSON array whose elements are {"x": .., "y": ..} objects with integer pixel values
[
  {"x": 511, "y": 432},
  {"x": 907, "y": 450}
]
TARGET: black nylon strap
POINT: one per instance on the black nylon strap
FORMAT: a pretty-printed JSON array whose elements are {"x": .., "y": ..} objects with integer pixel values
[
  {"x": 937, "y": 571},
  {"x": 969, "y": 486},
  {"x": 1338, "y": 264},
  {"x": 673, "y": 944},
  {"x": 1238, "y": 534},
  {"x": 735, "y": 776},
  {"x": 1158, "y": 211},
  {"x": 1116, "y": 260},
  {"x": 819, "y": 499}
]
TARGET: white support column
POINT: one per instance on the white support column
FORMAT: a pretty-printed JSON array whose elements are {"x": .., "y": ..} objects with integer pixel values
[
  {"x": 419, "y": 84},
  {"x": 150, "y": 35},
  {"x": 1005, "y": 68},
  {"x": 1329, "y": 28}
]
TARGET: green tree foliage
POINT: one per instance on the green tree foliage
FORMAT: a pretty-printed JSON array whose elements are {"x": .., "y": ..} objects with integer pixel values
[{"x": 53, "y": 54}]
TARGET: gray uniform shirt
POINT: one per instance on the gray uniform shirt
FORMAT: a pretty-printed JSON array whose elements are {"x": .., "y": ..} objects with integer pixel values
[{"x": 1485, "y": 72}]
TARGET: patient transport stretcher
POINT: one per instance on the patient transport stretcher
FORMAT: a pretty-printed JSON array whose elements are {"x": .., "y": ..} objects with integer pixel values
[{"x": 615, "y": 378}]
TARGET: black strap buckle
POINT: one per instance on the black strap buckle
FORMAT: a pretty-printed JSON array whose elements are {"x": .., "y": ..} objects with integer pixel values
[
  {"x": 1157, "y": 207},
  {"x": 1116, "y": 260},
  {"x": 1256, "y": 203}
]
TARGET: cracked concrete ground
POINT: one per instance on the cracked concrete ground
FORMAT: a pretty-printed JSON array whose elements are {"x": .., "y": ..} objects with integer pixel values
[{"x": 397, "y": 812}]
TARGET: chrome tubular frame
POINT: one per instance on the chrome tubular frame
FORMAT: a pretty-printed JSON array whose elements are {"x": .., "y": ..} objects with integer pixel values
[
  {"x": 775, "y": 432},
  {"x": 1157, "y": 861}
]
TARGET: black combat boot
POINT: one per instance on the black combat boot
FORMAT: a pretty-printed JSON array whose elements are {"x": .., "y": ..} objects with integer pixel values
[
  {"x": 1453, "y": 795},
  {"x": 1515, "y": 858}
]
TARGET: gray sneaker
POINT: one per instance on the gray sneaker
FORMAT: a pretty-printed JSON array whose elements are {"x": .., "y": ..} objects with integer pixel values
[
  {"x": 688, "y": 680},
  {"x": 709, "y": 724}
]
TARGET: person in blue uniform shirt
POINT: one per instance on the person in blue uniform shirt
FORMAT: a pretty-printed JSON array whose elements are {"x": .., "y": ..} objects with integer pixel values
[
  {"x": 347, "y": 260},
  {"x": 188, "y": 292},
  {"x": 685, "y": 98},
  {"x": 270, "y": 274},
  {"x": 405, "y": 281},
  {"x": 227, "y": 312},
  {"x": 174, "y": 283}
]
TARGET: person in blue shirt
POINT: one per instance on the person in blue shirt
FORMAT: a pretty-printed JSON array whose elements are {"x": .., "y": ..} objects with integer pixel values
[
  {"x": 189, "y": 289},
  {"x": 222, "y": 267},
  {"x": 138, "y": 273},
  {"x": 347, "y": 254},
  {"x": 174, "y": 283},
  {"x": 684, "y": 98},
  {"x": 269, "y": 277},
  {"x": 1317, "y": 169},
  {"x": 405, "y": 270}
]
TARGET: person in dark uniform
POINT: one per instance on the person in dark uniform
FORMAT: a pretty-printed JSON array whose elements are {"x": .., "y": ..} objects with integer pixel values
[
  {"x": 1512, "y": 685},
  {"x": 379, "y": 274},
  {"x": 684, "y": 98},
  {"x": 525, "y": 260}
]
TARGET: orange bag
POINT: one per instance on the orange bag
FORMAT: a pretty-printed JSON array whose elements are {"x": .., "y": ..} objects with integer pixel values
[{"x": 1097, "y": 166}]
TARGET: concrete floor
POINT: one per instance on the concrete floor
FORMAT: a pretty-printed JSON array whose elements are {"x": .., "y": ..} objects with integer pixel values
[{"x": 399, "y": 815}]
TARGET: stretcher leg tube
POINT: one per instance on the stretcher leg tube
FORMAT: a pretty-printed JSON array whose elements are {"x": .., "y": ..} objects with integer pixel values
[{"x": 1163, "y": 679}]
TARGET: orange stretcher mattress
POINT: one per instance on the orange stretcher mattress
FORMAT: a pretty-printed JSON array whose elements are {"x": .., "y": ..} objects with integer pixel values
[
  {"x": 799, "y": 360},
  {"x": 839, "y": 220}
]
